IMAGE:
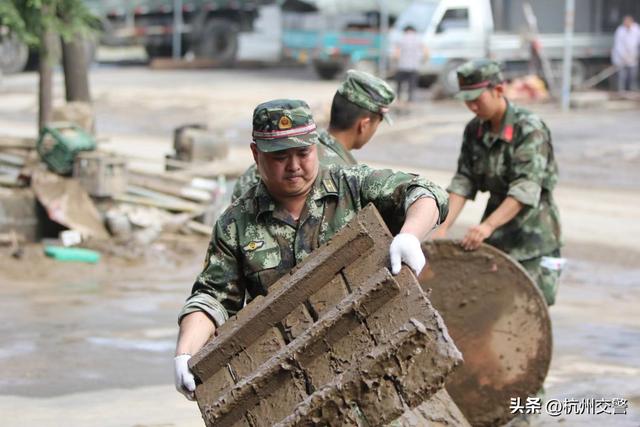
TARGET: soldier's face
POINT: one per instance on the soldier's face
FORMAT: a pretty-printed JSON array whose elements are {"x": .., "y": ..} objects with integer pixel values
[
  {"x": 487, "y": 104},
  {"x": 287, "y": 173}
]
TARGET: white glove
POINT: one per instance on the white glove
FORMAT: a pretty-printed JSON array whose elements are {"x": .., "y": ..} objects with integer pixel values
[
  {"x": 406, "y": 248},
  {"x": 185, "y": 382}
]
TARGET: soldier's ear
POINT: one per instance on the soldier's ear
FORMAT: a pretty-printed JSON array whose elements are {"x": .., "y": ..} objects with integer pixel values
[
  {"x": 364, "y": 123},
  {"x": 254, "y": 151},
  {"x": 499, "y": 88}
]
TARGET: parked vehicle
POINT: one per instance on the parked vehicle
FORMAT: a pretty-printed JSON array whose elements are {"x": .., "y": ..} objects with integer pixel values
[
  {"x": 455, "y": 31},
  {"x": 13, "y": 53},
  {"x": 210, "y": 29},
  {"x": 220, "y": 30},
  {"x": 458, "y": 30},
  {"x": 335, "y": 36}
]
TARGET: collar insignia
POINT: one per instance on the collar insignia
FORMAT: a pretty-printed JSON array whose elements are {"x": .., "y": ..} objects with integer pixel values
[{"x": 252, "y": 246}]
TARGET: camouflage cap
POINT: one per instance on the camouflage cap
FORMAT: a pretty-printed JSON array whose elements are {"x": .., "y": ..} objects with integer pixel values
[
  {"x": 368, "y": 92},
  {"x": 282, "y": 124},
  {"x": 474, "y": 77}
]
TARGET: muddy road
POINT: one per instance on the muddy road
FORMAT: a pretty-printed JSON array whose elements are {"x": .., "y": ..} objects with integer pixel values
[{"x": 92, "y": 345}]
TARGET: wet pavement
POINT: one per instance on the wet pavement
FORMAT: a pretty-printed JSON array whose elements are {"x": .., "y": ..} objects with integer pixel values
[
  {"x": 108, "y": 326},
  {"x": 596, "y": 334},
  {"x": 73, "y": 337}
]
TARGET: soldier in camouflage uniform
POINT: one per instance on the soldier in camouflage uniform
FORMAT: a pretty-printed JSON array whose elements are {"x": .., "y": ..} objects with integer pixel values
[
  {"x": 507, "y": 151},
  {"x": 297, "y": 206},
  {"x": 358, "y": 107}
]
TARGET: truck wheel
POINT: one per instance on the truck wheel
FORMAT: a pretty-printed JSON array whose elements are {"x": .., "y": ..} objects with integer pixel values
[
  {"x": 448, "y": 79},
  {"x": 157, "y": 51},
  {"x": 327, "y": 70},
  {"x": 13, "y": 54},
  {"x": 219, "y": 42}
]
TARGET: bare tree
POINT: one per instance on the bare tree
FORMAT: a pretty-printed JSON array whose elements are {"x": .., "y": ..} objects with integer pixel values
[{"x": 40, "y": 23}]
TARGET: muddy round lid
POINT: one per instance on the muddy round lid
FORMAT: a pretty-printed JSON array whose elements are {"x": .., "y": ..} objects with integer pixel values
[{"x": 499, "y": 321}]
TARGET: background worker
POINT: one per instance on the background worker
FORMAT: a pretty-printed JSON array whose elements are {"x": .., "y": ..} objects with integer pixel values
[
  {"x": 358, "y": 107},
  {"x": 296, "y": 207},
  {"x": 507, "y": 151},
  {"x": 409, "y": 52},
  {"x": 626, "y": 46}
]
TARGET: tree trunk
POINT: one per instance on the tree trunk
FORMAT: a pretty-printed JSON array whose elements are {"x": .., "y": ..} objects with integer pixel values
[
  {"x": 45, "y": 88},
  {"x": 76, "y": 75}
]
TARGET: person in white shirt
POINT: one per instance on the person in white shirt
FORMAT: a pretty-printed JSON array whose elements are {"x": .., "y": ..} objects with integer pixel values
[
  {"x": 409, "y": 52},
  {"x": 625, "y": 54}
]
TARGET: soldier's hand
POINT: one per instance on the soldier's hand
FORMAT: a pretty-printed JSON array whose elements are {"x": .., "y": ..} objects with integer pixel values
[
  {"x": 184, "y": 380},
  {"x": 405, "y": 247},
  {"x": 475, "y": 236}
]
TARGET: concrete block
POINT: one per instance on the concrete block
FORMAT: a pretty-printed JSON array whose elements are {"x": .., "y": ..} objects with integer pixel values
[
  {"x": 19, "y": 213},
  {"x": 337, "y": 341},
  {"x": 101, "y": 174},
  {"x": 284, "y": 296}
]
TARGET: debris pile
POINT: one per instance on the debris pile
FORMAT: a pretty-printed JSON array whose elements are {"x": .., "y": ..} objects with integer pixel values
[{"x": 61, "y": 182}]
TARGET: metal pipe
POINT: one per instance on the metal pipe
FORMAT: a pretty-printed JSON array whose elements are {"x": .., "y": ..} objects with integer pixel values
[{"x": 568, "y": 53}]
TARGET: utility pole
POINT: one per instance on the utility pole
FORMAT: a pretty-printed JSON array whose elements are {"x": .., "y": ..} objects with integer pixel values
[
  {"x": 177, "y": 29},
  {"x": 568, "y": 53},
  {"x": 384, "y": 37}
]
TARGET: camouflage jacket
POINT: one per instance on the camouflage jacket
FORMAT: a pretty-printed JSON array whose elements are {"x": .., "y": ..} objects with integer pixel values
[
  {"x": 518, "y": 162},
  {"x": 330, "y": 152},
  {"x": 254, "y": 242}
]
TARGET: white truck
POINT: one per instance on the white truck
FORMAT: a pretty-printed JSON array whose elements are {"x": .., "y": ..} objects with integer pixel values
[{"x": 458, "y": 30}]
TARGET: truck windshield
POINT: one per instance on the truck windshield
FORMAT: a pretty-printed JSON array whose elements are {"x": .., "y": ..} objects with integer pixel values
[{"x": 418, "y": 15}]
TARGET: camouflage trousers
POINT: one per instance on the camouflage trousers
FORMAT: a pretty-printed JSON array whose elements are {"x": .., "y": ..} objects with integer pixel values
[{"x": 545, "y": 278}]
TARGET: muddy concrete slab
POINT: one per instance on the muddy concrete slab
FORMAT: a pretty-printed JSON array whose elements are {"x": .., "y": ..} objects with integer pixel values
[{"x": 380, "y": 349}]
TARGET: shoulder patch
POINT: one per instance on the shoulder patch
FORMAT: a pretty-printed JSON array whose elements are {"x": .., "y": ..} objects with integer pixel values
[
  {"x": 253, "y": 245},
  {"x": 329, "y": 186}
]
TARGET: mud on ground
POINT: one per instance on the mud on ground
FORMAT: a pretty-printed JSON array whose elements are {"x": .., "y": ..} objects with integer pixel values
[{"x": 92, "y": 344}]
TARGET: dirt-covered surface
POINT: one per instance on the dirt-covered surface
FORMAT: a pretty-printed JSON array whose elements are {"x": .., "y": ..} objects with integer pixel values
[
  {"x": 499, "y": 321},
  {"x": 92, "y": 344}
]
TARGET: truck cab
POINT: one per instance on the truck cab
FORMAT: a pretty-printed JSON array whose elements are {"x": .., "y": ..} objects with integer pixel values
[
  {"x": 455, "y": 31},
  {"x": 452, "y": 30}
]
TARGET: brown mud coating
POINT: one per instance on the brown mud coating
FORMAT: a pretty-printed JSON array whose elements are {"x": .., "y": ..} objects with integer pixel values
[
  {"x": 439, "y": 411},
  {"x": 337, "y": 341},
  {"x": 498, "y": 319}
]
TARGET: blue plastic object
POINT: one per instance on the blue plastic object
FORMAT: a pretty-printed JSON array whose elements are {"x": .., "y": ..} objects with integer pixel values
[{"x": 62, "y": 253}]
